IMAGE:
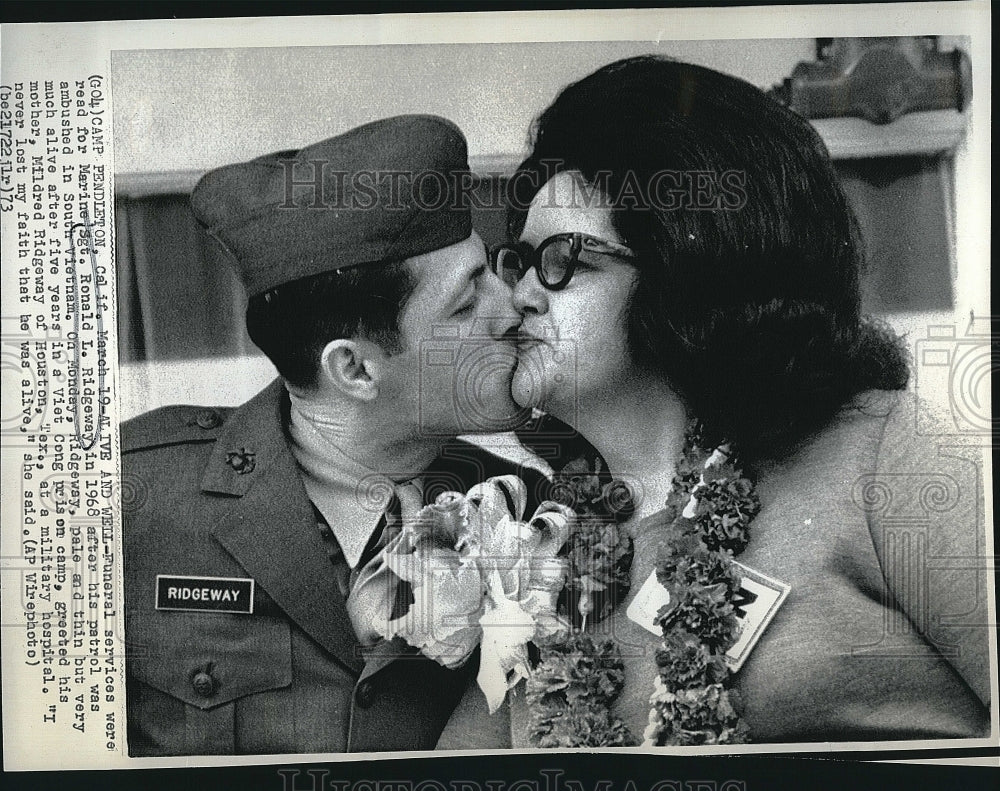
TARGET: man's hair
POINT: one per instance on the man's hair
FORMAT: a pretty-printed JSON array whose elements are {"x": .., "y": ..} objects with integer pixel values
[
  {"x": 751, "y": 311},
  {"x": 294, "y": 322}
]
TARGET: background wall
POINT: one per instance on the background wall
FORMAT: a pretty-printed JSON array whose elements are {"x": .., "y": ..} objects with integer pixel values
[
  {"x": 190, "y": 110},
  {"x": 196, "y": 109}
]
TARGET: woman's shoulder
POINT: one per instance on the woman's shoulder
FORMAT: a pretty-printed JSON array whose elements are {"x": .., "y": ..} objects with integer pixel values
[
  {"x": 880, "y": 433},
  {"x": 884, "y": 451},
  {"x": 925, "y": 495},
  {"x": 877, "y": 425},
  {"x": 907, "y": 429},
  {"x": 879, "y": 403},
  {"x": 848, "y": 442},
  {"x": 880, "y": 408}
]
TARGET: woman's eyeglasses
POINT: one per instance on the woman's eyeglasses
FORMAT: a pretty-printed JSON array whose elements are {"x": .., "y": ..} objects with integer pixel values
[{"x": 555, "y": 259}]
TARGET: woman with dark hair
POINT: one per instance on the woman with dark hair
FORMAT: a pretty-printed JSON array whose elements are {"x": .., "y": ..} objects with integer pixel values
[{"x": 688, "y": 270}]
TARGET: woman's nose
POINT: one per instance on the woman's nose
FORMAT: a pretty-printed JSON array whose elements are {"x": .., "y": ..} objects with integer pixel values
[{"x": 530, "y": 296}]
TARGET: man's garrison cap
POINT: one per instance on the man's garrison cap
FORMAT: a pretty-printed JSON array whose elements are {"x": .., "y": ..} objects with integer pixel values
[{"x": 385, "y": 191}]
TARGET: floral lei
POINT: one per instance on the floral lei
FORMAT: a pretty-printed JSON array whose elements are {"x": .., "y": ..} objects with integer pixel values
[{"x": 706, "y": 522}]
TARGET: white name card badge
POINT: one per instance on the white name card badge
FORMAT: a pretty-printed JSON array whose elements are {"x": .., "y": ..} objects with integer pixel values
[{"x": 758, "y": 600}]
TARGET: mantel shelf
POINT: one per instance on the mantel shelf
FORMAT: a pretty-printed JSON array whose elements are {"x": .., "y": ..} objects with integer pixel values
[{"x": 923, "y": 133}]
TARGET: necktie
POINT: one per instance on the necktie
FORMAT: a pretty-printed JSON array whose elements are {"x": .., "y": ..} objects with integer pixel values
[
  {"x": 377, "y": 596},
  {"x": 406, "y": 502}
]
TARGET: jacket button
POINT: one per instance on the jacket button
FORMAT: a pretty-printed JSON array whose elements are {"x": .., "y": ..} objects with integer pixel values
[
  {"x": 364, "y": 696},
  {"x": 203, "y": 684},
  {"x": 207, "y": 419}
]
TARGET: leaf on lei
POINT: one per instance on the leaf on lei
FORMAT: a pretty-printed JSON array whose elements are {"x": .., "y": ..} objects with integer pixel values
[
  {"x": 580, "y": 726},
  {"x": 578, "y": 667},
  {"x": 570, "y": 692},
  {"x": 697, "y": 716},
  {"x": 725, "y": 508},
  {"x": 600, "y": 556},
  {"x": 709, "y": 510},
  {"x": 577, "y": 483},
  {"x": 687, "y": 561},
  {"x": 704, "y": 610},
  {"x": 688, "y": 662},
  {"x": 598, "y": 548}
]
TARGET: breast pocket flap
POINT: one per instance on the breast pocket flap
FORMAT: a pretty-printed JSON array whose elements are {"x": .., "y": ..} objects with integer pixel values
[{"x": 208, "y": 659}]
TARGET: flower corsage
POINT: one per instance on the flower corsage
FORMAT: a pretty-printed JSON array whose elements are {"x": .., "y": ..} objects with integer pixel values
[{"x": 479, "y": 575}]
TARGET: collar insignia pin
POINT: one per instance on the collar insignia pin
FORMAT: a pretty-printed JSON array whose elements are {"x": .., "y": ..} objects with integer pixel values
[{"x": 242, "y": 461}]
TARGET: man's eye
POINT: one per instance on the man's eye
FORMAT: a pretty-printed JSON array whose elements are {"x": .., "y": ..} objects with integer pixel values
[{"x": 464, "y": 310}]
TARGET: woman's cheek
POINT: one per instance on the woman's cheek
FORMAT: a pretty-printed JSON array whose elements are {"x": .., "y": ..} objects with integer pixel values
[
  {"x": 527, "y": 388},
  {"x": 545, "y": 375}
]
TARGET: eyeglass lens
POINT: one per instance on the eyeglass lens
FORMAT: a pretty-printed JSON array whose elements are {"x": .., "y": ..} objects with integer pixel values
[
  {"x": 553, "y": 260},
  {"x": 509, "y": 266}
]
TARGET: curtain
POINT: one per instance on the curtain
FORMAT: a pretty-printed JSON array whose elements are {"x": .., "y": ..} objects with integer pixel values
[
  {"x": 904, "y": 207},
  {"x": 178, "y": 297}
]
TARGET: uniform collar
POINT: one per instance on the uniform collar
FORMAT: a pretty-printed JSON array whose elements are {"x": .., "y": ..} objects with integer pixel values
[
  {"x": 251, "y": 442},
  {"x": 351, "y": 496},
  {"x": 271, "y": 527}
]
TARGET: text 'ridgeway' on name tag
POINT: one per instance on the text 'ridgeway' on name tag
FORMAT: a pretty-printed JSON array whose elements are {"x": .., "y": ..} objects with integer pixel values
[
  {"x": 204, "y": 594},
  {"x": 757, "y": 602}
]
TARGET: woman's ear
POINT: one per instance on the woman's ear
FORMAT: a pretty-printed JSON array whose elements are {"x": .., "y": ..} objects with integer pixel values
[{"x": 352, "y": 367}]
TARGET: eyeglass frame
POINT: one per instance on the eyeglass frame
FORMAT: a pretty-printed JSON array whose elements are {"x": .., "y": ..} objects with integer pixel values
[{"x": 531, "y": 257}]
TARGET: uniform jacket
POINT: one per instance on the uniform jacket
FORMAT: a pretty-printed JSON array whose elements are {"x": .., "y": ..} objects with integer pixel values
[{"x": 216, "y": 493}]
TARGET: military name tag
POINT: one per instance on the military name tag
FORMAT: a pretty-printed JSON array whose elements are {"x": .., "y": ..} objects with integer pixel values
[
  {"x": 204, "y": 594},
  {"x": 756, "y": 603}
]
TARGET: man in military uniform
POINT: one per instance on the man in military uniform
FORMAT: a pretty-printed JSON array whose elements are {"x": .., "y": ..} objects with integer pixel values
[{"x": 373, "y": 297}]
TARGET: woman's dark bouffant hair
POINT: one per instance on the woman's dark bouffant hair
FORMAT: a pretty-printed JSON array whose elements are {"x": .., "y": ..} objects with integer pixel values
[{"x": 750, "y": 307}]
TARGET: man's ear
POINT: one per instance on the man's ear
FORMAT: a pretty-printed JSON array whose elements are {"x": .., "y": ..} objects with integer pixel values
[{"x": 353, "y": 367}]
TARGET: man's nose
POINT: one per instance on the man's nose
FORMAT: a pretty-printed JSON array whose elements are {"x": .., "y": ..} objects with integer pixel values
[{"x": 504, "y": 318}]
